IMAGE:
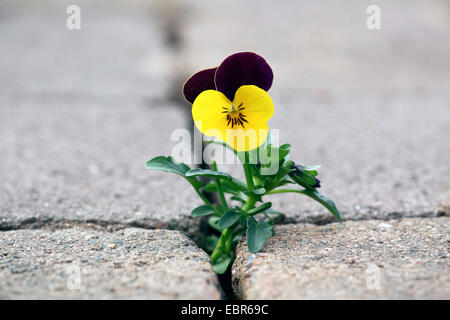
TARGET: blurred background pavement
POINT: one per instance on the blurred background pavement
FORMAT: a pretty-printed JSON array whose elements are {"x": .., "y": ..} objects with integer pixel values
[{"x": 82, "y": 110}]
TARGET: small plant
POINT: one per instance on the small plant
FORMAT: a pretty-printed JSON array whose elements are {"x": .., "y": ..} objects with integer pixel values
[{"x": 231, "y": 103}]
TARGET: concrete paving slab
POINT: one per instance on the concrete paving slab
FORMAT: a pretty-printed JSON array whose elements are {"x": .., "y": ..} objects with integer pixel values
[
  {"x": 371, "y": 107},
  {"x": 90, "y": 264},
  {"x": 398, "y": 259},
  {"x": 81, "y": 112},
  {"x": 117, "y": 51},
  {"x": 83, "y": 160},
  {"x": 383, "y": 155},
  {"x": 326, "y": 44}
]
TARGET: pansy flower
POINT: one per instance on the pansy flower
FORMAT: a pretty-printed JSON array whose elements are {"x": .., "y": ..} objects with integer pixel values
[{"x": 231, "y": 101}]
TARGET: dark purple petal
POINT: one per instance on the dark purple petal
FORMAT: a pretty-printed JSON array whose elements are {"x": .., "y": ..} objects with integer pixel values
[
  {"x": 243, "y": 68},
  {"x": 199, "y": 82}
]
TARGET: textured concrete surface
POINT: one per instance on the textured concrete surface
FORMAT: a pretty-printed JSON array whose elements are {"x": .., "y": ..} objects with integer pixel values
[
  {"x": 326, "y": 45},
  {"x": 383, "y": 155},
  {"x": 399, "y": 259},
  {"x": 81, "y": 112},
  {"x": 118, "y": 50},
  {"x": 371, "y": 106},
  {"x": 87, "y": 264},
  {"x": 84, "y": 160}
]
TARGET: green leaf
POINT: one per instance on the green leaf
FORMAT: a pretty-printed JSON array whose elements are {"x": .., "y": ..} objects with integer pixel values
[
  {"x": 228, "y": 219},
  {"x": 284, "y": 150},
  {"x": 210, "y": 187},
  {"x": 167, "y": 164},
  {"x": 202, "y": 211},
  {"x": 208, "y": 173},
  {"x": 268, "y": 154},
  {"x": 257, "y": 234},
  {"x": 229, "y": 182},
  {"x": 327, "y": 203},
  {"x": 310, "y": 169},
  {"x": 284, "y": 182},
  {"x": 222, "y": 264},
  {"x": 243, "y": 221},
  {"x": 258, "y": 178},
  {"x": 227, "y": 186},
  {"x": 280, "y": 178},
  {"x": 212, "y": 221}
]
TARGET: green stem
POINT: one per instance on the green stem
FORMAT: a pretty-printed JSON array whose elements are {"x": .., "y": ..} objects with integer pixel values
[
  {"x": 261, "y": 208},
  {"x": 249, "y": 204},
  {"x": 222, "y": 245},
  {"x": 248, "y": 176},
  {"x": 219, "y": 188},
  {"x": 206, "y": 201},
  {"x": 217, "y": 252}
]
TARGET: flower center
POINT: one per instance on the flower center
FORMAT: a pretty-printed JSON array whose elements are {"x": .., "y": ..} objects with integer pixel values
[{"x": 235, "y": 116}]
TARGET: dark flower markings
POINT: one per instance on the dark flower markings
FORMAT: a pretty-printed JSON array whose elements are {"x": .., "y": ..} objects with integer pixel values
[{"x": 235, "y": 116}]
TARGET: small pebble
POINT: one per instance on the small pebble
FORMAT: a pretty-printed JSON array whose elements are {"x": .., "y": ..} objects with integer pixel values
[{"x": 385, "y": 225}]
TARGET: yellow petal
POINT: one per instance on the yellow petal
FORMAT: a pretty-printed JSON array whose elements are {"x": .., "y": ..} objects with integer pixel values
[
  {"x": 248, "y": 138},
  {"x": 207, "y": 111},
  {"x": 257, "y": 103}
]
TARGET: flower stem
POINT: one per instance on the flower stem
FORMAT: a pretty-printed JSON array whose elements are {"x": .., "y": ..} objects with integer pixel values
[
  {"x": 206, "y": 201},
  {"x": 224, "y": 244},
  {"x": 215, "y": 255},
  {"x": 219, "y": 189},
  {"x": 250, "y": 203},
  {"x": 248, "y": 176}
]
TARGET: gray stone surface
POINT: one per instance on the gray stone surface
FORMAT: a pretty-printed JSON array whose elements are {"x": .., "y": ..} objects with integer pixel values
[
  {"x": 383, "y": 155},
  {"x": 399, "y": 259},
  {"x": 83, "y": 160},
  {"x": 371, "y": 106},
  {"x": 118, "y": 50},
  {"x": 90, "y": 264},
  {"x": 81, "y": 111},
  {"x": 325, "y": 45}
]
